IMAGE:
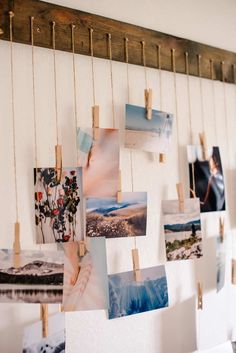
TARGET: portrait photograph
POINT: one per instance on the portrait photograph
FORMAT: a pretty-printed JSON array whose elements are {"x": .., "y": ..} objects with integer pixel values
[{"x": 206, "y": 178}]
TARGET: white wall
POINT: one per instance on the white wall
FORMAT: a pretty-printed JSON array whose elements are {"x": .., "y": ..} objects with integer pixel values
[{"x": 163, "y": 331}]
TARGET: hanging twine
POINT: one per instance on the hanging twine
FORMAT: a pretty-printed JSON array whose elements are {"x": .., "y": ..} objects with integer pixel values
[
  {"x": 127, "y": 67},
  {"x": 189, "y": 97},
  {"x": 128, "y": 89},
  {"x": 55, "y": 77},
  {"x": 144, "y": 62},
  {"x": 225, "y": 112},
  {"x": 75, "y": 88},
  {"x": 201, "y": 90},
  {"x": 213, "y": 100},
  {"x": 34, "y": 95},
  {"x": 11, "y": 15},
  {"x": 176, "y": 102},
  {"x": 92, "y": 63},
  {"x": 160, "y": 73},
  {"x": 111, "y": 75},
  {"x": 190, "y": 114}
]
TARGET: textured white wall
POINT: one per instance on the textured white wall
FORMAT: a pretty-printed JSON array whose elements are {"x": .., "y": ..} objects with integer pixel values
[{"x": 163, "y": 331}]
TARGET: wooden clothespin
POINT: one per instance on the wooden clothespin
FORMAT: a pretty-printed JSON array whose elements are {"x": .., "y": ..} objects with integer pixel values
[
  {"x": 162, "y": 158},
  {"x": 221, "y": 228},
  {"x": 44, "y": 318},
  {"x": 180, "y": 193},
  {"x": 136, "y": 267},
  {"x": 16, "y": 246},
  {"x": 95, "y": 114},
  {"x": 82, "y": 248},
  {"x": 233, "y": 271},
  {"x": 199, "y": 296},
  {"x": 58, "y": 154},
  {"x": 119, "y": 193},
  {"x": 148, "y": 103},
  {"x": 202, "y": 138}
]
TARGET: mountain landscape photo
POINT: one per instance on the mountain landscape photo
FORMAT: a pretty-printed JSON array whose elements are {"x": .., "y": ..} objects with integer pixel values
[
  {"x": 106, "y": 217},
  {"x": 183, "y": 241},
  {"x": 37, "y": 280}
]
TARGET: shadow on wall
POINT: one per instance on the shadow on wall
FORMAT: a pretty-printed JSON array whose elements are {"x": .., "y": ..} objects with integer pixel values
[
  {"x": 11, "y": 323},
  {"x": 207, "y": 261},
  {"x": 230, "y": 177},
  {"x": 179, "y": 327}
]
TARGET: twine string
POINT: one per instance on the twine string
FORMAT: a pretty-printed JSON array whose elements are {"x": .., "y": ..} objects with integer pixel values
[
  {"x": 201, "y": 89},
  {"x": 190, "y": 116},
  {"x": 55, "y": 78},
  {"x": 11, "y": 15},
  {"x": 111, "y": 77},
  {"x": 92, "y": 64},
  {"x": 160, "y": 73},
  {"x": 176, "y": 104},
  {"x": 131, "y": 152},
  {"x": 144, "y": 62},
  {"x": 74, "y": 89}
]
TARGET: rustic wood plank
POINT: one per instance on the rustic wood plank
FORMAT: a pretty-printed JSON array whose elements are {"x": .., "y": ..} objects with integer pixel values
[{"x": 44, "y": 13}]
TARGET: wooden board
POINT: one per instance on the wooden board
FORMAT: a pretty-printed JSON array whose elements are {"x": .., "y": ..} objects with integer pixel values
[{"x": 44, "y": 13}]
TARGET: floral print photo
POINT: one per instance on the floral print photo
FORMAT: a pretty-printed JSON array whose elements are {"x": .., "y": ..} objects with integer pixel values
[{"x": 58, "y": 205}]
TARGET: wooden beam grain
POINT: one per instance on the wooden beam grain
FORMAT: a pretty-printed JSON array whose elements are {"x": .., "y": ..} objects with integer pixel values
[{"x": 44, "y": 13}]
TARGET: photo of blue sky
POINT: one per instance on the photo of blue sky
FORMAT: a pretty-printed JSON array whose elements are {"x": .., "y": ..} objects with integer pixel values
[{"x": 136, "y": 120}]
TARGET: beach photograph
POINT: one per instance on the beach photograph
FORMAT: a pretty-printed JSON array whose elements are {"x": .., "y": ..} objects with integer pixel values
[
  {"x": 128, "y": 297},
  {"x": 38, "y": 279},
  {"x": 148, "y": 135},
  {"x": 99, "y": 155},
  {"x": 85, "y": 281},
  {"x": 58, "y": 205},
  {"x": 105, "y": 217},
  {"x": 183, "y": 236},
  {"x": 33, "y": 341},
  {"x": 206, "y": 178}
]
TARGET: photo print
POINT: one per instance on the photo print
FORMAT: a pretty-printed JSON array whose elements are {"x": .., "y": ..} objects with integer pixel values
[
  {"x": 105, "y": 217},
  {"x": 220, "y": 263},
  {"x": 33, "y": 342},
  {"x": 148, "y": 135},
  {"x": 39, "y": 279},
  {"x": 98, "y": 154},
  {"x": 85, "y": 280},
  {"x": 58, "y": 205},
  {"x": 128, "y": 297},
  {"x": 183, "y": 236},
  {"x": 206, "y": 178}
]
